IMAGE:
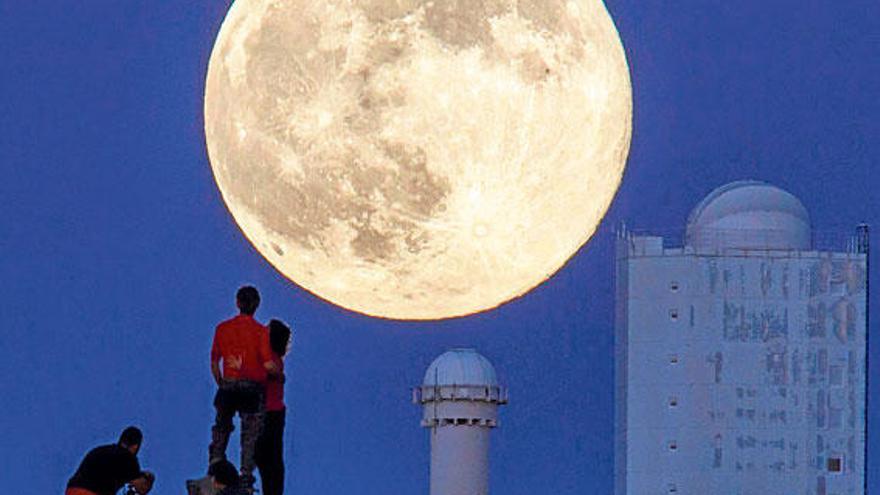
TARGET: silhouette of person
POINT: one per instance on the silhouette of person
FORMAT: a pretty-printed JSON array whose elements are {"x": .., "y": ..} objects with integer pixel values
[
  {"x": 270, "y": 446},
  {"x": 242, "y": 345},
  {"x": 105, "y": 469}
]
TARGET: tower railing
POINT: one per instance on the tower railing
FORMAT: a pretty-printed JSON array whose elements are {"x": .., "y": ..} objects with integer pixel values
[{"x": 485, "y": 393}]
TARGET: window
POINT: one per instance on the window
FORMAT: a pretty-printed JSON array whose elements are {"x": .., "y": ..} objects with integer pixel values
[
  {"x": 673, "y": 286},
  {"x": 673, "y": 446},
  {"x": 673, "y": 314},
  {"x": 673, "y": 402},
  {"x": 835, "y": 464},
  {"x": 835, "y": 375}
]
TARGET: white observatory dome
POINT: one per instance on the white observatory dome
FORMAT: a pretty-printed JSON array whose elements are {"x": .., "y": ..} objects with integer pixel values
[
  {"x": 749, "y": 215},
  {"x": 460, "y": 367}
]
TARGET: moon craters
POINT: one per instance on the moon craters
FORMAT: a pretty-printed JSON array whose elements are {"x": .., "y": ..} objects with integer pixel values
[{"x": 418, "y": 158}]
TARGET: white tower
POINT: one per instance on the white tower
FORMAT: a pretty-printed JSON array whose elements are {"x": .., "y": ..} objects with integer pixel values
[
  {"x": 741, "y": 353},
  {"x": 460, "y": 396}
]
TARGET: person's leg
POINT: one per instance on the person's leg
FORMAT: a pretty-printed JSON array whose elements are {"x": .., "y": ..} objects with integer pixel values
[
  {"x": 277, "y": 452},
  {"x": 261, "y": 454},
  {"x": 223, "y": 426},
  {"x": 271, "y": 453},
  {"x": 251, "y": 425}
]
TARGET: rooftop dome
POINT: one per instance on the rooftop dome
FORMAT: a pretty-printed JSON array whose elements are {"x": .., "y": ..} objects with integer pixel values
[
  {"x": 460, "y": 367},
  {"x": 749, "y": 215}
]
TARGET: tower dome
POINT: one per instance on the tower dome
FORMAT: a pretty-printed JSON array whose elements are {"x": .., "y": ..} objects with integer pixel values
[
  {"x": 749, "y": 215},
  {"x": 460, "y": 367}
]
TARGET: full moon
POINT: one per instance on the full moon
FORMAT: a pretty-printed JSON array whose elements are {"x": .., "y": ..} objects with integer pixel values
[{"x": 418, "y": 159}]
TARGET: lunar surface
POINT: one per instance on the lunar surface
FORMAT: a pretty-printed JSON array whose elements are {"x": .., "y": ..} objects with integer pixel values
[{"x": 414, "y": 159}]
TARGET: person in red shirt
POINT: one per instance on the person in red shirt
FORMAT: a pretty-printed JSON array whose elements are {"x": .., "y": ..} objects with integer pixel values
[
  {"x": 242, "y": 345},
  {"x": 270, "y": 446}
]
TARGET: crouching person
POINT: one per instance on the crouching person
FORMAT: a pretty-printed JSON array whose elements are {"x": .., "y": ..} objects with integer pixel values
[
  {"x": 107, "y": 468},
  {"x": 226, "y": 479}
]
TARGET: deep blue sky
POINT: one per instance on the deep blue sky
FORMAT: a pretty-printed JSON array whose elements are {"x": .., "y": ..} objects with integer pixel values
[{"x": 117, "y": 256}]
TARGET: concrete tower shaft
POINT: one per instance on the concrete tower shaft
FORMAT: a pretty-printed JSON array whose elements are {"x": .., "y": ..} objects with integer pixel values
[{"x": 460, "y": 396}]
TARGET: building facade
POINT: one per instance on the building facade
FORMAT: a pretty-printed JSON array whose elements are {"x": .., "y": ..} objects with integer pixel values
[{"x": 741, "y": 353}]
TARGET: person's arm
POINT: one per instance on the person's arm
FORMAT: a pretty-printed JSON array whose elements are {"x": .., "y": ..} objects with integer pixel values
[
  {"x": 267, "y": 356},
  {"x": 272, "y": 369},
  {"x": 144, "y": 483},
  {"x": 215, "y": 359},
  {"x": 215, "y": 371},
  {"x": 141, "y": 481}
]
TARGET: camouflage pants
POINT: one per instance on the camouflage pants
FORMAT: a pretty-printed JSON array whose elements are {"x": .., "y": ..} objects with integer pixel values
[{"x": 247, "y": 399}]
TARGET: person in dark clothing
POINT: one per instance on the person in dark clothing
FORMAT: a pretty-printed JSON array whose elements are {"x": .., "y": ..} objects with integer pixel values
[
  {"x": 241, "y": 344},
  {"x": 270, "y": 446},
  {"x": 107, "y": 468}
]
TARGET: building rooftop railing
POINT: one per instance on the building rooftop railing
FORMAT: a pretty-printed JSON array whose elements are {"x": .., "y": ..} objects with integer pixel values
[{"x": 727, "y": 241}]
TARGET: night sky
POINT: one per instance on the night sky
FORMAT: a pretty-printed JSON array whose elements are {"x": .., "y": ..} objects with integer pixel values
[{"x": 118, "y": 256}]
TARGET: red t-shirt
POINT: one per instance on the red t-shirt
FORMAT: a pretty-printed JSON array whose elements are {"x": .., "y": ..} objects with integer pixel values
[
  {"x": 243, "y": 344},
  {"x": 275, "y": 388}
]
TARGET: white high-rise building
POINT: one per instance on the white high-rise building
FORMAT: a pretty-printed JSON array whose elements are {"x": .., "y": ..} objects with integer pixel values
[
  {"x": 460, "y": 396},
  {"x": 741, "y": 353}
]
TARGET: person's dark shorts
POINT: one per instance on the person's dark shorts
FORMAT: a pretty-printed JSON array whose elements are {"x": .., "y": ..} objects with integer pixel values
[{"x": 240, "y": 396}]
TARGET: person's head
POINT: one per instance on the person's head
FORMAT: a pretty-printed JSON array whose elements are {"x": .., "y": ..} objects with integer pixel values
[
  {"x": 248, "y": 300},
  {"x": 223, "y": 473},
  {"x": 279, "y": 337},
  {"x": 131, "y": 439}
]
